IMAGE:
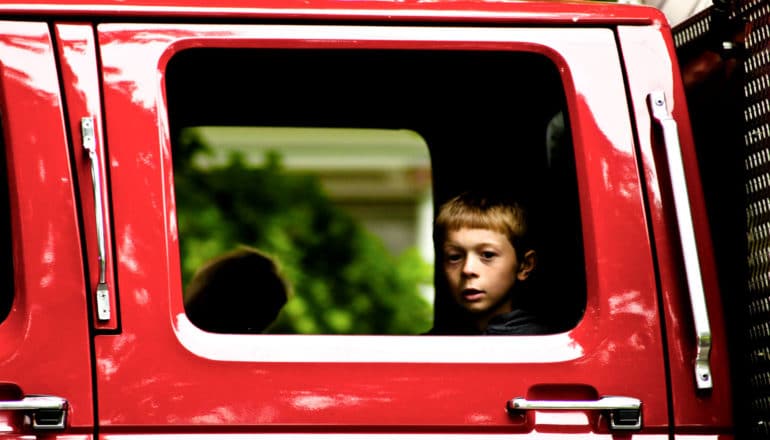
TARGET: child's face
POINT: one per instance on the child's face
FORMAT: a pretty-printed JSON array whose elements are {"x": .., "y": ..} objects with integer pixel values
[{"x": 481, "y": 267}]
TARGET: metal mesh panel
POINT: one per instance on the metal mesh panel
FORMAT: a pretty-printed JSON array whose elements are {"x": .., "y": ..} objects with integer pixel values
[
  {"x": 746, "y": 290},
  {"x": 694, "y": 30},
  {"x": 756, "y": 90}
]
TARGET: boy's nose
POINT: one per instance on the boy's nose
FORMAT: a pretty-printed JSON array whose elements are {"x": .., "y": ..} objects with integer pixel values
[{"x": 469, "y": 267}]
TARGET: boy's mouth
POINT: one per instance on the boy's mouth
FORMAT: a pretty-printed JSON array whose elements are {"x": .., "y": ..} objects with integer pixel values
[{"x": 472, "y": 294}]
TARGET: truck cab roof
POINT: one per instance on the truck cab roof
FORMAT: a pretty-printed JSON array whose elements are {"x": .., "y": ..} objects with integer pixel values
[{"x": 476, "y": 11}]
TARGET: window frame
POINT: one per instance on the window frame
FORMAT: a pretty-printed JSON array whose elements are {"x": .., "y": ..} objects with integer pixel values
[{"x": 399, "y": 348}]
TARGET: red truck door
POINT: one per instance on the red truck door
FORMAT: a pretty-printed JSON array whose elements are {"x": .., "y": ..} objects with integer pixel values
[
  {"x": 695, "y": 317},
  {"x": 159, "y": 374},
  {"x": 45, "y": 363}
]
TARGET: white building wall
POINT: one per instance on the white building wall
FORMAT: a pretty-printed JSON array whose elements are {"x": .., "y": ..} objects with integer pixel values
[{"x": 676, "y": 10}]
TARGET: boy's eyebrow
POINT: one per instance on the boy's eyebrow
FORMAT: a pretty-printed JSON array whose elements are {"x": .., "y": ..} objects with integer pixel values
[
  {"x": 494, "y": 245},
  {"x": 475, "y": 245}
]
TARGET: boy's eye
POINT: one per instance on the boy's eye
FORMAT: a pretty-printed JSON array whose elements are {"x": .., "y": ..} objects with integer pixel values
[
  {"x": 488, "y": 255},
  {"x": 453, "y": 257}
]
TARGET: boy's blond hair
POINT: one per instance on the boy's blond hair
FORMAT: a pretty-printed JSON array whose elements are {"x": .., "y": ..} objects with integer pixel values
[{"x": 484, "y": 211}]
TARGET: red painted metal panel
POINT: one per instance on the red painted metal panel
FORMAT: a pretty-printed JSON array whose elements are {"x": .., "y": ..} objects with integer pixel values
[
  {"x": 643, "y": 47},
  {"x": 44, "y": 342},
  {"x": 162, "y": 374}
]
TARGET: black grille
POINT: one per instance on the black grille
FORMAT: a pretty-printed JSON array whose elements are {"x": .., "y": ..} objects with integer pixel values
[
  {"x": 734, "y": 151},
  {"x": 756, "y": 114}
]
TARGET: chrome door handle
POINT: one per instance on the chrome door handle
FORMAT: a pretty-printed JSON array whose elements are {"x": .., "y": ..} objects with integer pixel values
[
  {"x": 625, "y": 412},
  {"x": 692, "y": 270},
  {"x": 103, "y": 311},
  {"x": 47, "y": 412}
]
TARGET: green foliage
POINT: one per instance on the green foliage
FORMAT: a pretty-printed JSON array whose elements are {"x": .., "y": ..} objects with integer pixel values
[{"x": 344, "y": 280}]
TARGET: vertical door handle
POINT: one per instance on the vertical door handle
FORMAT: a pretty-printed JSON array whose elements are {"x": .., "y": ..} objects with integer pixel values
[
  {"x": 659, "y": 111},
  {"x": 102, "y": 290}
]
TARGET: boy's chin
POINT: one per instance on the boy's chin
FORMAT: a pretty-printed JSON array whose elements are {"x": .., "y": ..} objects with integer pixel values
[
  {"x": 476, "y": 308},
  {"x": 482, "y": 309}
]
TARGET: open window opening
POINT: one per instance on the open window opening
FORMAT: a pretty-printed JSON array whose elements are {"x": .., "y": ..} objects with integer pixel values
[{"x": 325, "y": 169}]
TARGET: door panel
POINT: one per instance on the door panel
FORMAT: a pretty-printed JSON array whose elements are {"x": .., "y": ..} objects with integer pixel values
[
  {"x": 161, "y": 373},
  {"x": 44, "y": 341},
  {"x": 692, "y": 407}
]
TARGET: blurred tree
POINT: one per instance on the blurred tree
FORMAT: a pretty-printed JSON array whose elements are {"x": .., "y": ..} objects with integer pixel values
[{"x": 344, "y": 280}]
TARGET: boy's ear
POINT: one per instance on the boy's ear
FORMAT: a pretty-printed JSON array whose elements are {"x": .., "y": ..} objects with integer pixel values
[{"x": 527, "y": 265}]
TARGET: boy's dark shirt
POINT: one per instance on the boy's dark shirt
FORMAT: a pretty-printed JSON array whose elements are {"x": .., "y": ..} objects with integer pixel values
[{"x": 516, "y": 322}]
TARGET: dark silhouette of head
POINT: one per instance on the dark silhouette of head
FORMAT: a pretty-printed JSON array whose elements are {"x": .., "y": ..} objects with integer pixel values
[{"x": 237, "y": 292}]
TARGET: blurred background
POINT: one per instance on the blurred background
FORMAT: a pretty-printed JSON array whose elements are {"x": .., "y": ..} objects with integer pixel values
[{"x": 345, "y": 213}]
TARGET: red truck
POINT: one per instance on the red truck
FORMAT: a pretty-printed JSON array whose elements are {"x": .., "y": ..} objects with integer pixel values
[{"x": 582, "y": 107}]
